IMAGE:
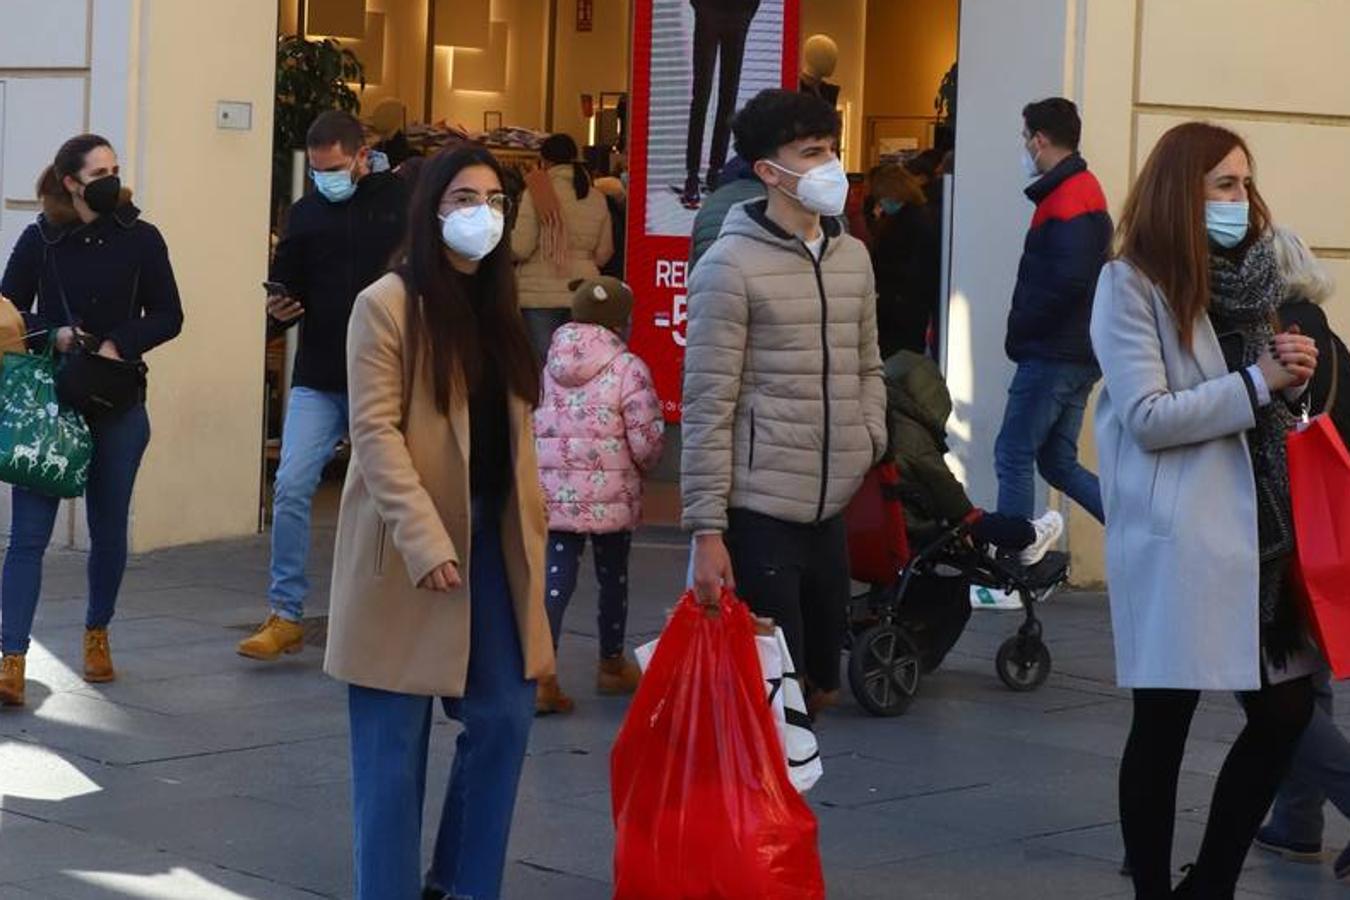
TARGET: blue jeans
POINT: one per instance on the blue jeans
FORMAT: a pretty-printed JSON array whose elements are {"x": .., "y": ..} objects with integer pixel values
[
  {"x": 389, "y": 734},
  {"x": 315, "y": 422},
  {"x": 1041, "y": 426},
  {"x": 1320, "y": 772},
  {"x": 119, "y": 444},
  {"x": 611, "y": 570}
]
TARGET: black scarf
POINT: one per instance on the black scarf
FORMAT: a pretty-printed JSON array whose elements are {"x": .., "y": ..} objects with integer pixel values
[{"x": 1245, "y": 296}]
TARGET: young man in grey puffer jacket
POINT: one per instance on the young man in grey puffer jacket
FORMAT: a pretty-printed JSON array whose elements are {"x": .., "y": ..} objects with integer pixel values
[{"x": 784, "y": 402}]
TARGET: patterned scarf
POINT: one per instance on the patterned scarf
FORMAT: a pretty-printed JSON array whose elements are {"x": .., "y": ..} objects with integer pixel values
[
  {"x": 553, "y": 237},
  {"x": 1245, "y": 296}
]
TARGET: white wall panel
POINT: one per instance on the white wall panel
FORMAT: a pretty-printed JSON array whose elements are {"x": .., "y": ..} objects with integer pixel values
[{"x": 44, "y": 34}]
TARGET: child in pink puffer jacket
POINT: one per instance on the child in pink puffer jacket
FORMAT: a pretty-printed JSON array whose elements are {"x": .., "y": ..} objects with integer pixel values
[{"x": 597, "y": 429}]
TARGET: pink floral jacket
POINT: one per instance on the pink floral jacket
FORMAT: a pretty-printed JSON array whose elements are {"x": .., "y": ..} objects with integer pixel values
[{"x": 598, "y": 428}]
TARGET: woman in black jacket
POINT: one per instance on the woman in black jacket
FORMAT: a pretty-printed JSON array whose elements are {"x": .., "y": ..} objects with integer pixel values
[
  {"x": 1321, "y": 767},
  {"x": 1309, "y": 286},
  {"x": 88, "y": 273},
  {"x": 907, "y": 261}
]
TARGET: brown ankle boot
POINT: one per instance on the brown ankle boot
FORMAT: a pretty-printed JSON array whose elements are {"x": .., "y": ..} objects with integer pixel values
[
  {"x": 619, "y": 675},
  {"x": 11, "y": 680},
  {"x": 817, "y": 701},
  {"x": 98, "y": 665},
  {"x": 549, "y": 698}
]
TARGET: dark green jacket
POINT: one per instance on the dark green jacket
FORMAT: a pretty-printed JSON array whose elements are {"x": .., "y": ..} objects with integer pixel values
[
  {"x": 917, "y": 408},
  {"x": 713, "y": 212}
]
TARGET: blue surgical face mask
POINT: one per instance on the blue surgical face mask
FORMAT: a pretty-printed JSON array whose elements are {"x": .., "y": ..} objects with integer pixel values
[
  {"x": 379, "y": 161},
  {"x": 1030, "y": 167},
  {"x": 334, "y": 186},
  {"x": 890, "y": 206},
  {"x": 1226, "y": 221}
]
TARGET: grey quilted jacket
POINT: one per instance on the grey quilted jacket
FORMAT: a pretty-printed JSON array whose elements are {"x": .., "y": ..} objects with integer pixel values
[{"x": 784, "y": 402}]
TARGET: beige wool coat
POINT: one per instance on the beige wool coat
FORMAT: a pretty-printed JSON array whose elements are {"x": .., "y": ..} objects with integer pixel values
[
  {"x": 11, "y": 328},
  {"x": 590, "y": 244},
  {"x": 406, "y": 510}
]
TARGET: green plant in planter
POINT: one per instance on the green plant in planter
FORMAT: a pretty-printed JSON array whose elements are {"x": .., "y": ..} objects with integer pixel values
[{"x": 312, "y": 77}]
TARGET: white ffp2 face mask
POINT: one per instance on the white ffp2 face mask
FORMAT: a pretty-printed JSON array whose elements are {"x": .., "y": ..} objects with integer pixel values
[
  {"x": 474, "y": 232},
  {"x": 822, "y": 190}
]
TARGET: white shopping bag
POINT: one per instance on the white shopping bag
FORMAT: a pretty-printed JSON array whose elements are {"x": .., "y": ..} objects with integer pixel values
[{"x": 784, "y": 693}]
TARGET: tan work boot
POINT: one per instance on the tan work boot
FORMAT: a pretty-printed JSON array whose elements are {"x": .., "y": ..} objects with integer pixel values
[
  {"x": 619, "y": 675},
  {"x": 549, "y": 698},
  {"x": 11, "y": 680},
  {"x": 275, "y": 637},
  {"x": 98, "y": 666}
]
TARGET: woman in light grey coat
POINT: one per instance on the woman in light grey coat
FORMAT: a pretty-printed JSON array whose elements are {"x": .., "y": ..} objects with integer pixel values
[{"x": 1190, "y": 431}]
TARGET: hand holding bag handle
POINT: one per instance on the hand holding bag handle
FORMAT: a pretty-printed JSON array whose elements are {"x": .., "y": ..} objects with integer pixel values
[{"x": 93, "y": 384}]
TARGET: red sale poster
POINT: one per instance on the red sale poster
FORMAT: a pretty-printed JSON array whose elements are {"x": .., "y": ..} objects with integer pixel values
[{"x": 695, "y": 62}]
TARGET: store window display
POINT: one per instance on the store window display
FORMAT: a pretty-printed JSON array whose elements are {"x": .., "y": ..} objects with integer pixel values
[{"x": 820, "y": 57}]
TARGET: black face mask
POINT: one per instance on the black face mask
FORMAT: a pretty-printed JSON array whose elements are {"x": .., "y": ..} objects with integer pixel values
[{"x": 102, "y": 194}]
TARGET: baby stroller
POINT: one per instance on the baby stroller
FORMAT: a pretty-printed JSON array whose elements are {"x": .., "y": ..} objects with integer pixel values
[{"x": 917, "y": 603}]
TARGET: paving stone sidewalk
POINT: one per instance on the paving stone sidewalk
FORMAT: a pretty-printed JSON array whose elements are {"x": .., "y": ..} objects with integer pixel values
[{"x": 204, "y": 776}]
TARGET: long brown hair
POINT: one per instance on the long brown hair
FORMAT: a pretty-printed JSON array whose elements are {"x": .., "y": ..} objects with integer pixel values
[
  {"x": 1162, "y": 228},
  {"x": 441, "y": 313},
  {"x": 69, "y": 160},
  {"x": 895, "y": 182}
]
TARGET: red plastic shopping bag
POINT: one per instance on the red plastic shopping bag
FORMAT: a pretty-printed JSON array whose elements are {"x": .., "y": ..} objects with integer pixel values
[
  {"x": 703, "y": 807},
  {"x": 1319, "y": 484}
]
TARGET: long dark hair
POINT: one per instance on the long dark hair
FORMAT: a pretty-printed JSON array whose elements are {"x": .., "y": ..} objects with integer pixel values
[
  {"x": 69, "y": 161},
  {"x": 1162, "y": 228},
  {"x": 441, "y": 314},
  {"x": 560, "y": 149}
]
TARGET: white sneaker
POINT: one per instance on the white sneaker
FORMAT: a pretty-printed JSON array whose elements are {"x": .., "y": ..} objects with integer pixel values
[
  {"x": 1049, "y": 528},
  {"x": 992, "y": 598}
]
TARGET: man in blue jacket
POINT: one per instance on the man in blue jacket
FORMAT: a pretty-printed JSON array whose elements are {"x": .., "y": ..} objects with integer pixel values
[{"x": 1067, "y": 244}]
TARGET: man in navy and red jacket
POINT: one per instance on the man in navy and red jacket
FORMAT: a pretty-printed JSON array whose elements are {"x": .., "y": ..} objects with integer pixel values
[{"x": 1067, "y": 244}]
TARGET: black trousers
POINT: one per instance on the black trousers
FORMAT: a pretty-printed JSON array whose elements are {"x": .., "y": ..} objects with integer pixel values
[
  {"x": 1256, "y": 764},
  {"x": 796, "y": 575},
  {"x": 714, "y": 33}
]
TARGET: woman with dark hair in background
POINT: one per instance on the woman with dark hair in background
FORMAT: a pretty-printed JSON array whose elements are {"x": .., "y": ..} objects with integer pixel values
[
  {"x": 907, "y": 260},
  {"x": 1191, "y": 429},
  {"x": 439, "y": 564},
  {"x": 563, "y": 232},
  {"x": 90, "y": 272}
]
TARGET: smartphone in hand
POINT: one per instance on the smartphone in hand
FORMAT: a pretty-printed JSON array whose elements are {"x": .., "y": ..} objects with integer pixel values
[{"x": 281, "y": 306}]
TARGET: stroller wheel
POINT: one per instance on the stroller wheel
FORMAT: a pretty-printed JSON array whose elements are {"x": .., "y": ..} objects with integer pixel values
[
  {"x": 884, "y": 670},
  {"x": 1023, "y": 663}
]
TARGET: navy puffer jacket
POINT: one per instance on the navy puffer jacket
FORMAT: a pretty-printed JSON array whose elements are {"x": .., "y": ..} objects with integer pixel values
[
  {"x": 115, "y": 273},
  {"x": 1066, "y": 247}
]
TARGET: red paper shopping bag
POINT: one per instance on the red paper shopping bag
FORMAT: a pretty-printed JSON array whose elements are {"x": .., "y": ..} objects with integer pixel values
[
  {"x": 703, "y": 806},
  {"x": 1319, "y": 484}
]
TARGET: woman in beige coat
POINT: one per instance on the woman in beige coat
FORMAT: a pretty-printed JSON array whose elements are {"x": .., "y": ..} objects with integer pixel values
[
  {"x": 563, "y": 233},
  {"x": 438, "y": 572}
]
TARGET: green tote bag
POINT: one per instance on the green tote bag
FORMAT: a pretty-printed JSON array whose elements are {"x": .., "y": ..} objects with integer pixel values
[{"x": 44, "y": 446}]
